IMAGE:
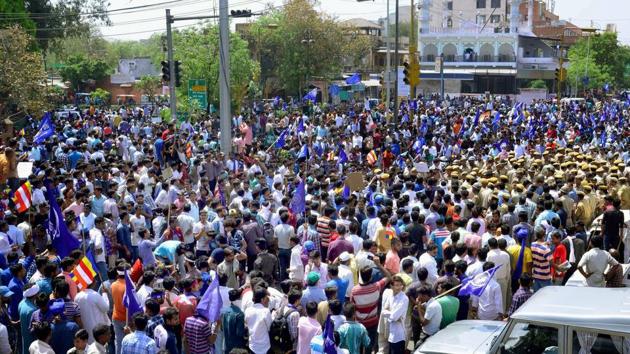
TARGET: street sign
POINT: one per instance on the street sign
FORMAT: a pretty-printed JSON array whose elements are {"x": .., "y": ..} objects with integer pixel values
[{"x": 198, "y": 91}]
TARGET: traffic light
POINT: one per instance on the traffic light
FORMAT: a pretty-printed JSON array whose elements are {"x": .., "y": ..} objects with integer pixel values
[
  {"x": 241, "y": 13},
  {"x": 178, "y": 76},
  {"x": 407, "y": 73},
  {"x": 560, "y": 74},
  {"x": 381, "y": 80},
  {"x": 166, "y": 71},
  {"x": 557, "y": 74}
]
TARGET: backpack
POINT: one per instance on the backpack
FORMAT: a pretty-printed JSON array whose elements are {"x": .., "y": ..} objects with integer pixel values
[{"x": 279, "y": 333}]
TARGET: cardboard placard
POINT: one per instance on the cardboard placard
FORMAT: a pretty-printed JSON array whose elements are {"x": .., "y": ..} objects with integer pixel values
[
  {"x": 421, "y": 167},
  {"x": 355, "y": 181}
]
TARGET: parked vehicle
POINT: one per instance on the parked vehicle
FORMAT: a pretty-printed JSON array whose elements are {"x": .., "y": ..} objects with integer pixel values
[{"x": 555, "y": 320}]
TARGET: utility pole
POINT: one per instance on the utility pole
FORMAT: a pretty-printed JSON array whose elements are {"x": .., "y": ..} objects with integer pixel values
[
  {"x": 396, "y": 61},
  {"x": 171, "y": 67},
  {"x": 224, "y": 79},
  {"x": 388, "y": 67},
  {"x": 414, "y": 65}
]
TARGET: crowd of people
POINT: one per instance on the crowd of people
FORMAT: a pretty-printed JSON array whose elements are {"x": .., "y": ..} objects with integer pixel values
[{"x": 305, "y": 259}]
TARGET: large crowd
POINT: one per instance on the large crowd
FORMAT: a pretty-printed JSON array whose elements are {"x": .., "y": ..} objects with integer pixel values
[{"x": 336, "y": 229}]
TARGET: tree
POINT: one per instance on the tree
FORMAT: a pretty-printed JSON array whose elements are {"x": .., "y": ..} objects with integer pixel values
[
  {"x": 15, "y": 14},
  {"x": 100, "y": 96},
  {"x": 600, "y": 58},
  {"x": 78, "y": 69},
  {"x": 305, "y": 44},
  {"x": 22, "y": 78},
  {"x": 148, "y": 85},
  {"x": 538, "y": 84},
  {"x": 196, "y": 50}
]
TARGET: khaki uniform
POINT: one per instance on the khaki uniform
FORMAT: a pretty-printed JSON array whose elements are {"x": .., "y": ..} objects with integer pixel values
[
  {"x": 582, "y": 213},
  {"x": 624, "y": 196}
]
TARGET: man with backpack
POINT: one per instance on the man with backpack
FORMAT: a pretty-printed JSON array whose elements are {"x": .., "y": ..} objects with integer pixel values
[{"x": 284, "y": 328}]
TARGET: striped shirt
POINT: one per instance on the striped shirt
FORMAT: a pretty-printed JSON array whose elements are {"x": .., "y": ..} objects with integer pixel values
[
  {"x": 323, "y": 230},
  {"x": 541, "y": 266},
  {"x": 366, "y": 299},
  {"x": 197, "y": 330}
]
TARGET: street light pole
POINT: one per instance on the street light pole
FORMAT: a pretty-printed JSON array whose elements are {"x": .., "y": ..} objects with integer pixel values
[
  {"x": 388, "y": 68},
  {"x": 396, "y": 61},
  {"x": 171, "y": 67}
]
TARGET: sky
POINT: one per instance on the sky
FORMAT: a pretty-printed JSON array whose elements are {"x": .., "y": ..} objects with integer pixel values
[{"x": 141, "y": 23}]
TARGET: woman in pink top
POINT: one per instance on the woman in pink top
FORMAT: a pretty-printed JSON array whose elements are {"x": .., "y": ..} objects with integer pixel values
[{"x": 308, "y": 327}]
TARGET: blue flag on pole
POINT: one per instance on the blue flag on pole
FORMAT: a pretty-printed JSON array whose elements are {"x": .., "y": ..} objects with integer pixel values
[
  {"x": 303, "y": 154},
  {"x": 311, "y": 95},
  {"x": 475, "y": 285},
  {"x": 343, "y": 158},
  {"x": 46, "y": 129},
  {"x": 130, "y": 299},
  {"x": 61, "y": 238},
  {"x": 345, "y": 193},
  {"x": 497, "y": 119},
  {"x": 334, "y": 90},
  {"x": 211, "y": 302},
  {"x": 300, "y": 127},
  {"x": 329, "y": 337},
  {"x": 477, "y": 115},
  {"x": 354, "y": 79},
  {"x": 281, "y": 139},
  {"x": 298, "y": 203}
]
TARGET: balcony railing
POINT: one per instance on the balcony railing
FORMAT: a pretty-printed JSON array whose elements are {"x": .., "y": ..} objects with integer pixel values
[{"x": 472, "y": 58}]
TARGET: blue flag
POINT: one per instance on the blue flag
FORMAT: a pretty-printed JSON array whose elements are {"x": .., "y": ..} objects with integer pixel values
[
  {"x": 130, "y": 299},
  {"x": 354, "y": 79},
  {"x": 319, "y": 150},
  {"x": 46, "y": 129},
  {"x": 334, "y": 90},
  {"x": 477, "y": 115},
  {"x": 311, "y": 95},
  {"x": 345, "y": 193},
  {"x": 276, "y": 101},
  {"x": 475, "y": 285},
  {"x": 303, "y": 154},
  {"x": 61, "y": 238},
  {"x": 298, "y": 203},
  {"x": 401, "y": 163},
  {"x": 300, "y": 127},
  {"x": 497, "y": 119},
  {"x": 329, "y": 337},
  {"x": 211, "y": 302},
  {"x": 343, "y": 158},
  {"x": 281, "y": 139}
]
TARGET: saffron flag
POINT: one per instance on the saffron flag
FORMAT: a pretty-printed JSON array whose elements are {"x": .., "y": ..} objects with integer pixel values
[
  {"x": 371, "y": 157},
  {"x": 22, "y": 197},
  {"x": 211, "y": 302},
  {"x": 84, "y": 273}
]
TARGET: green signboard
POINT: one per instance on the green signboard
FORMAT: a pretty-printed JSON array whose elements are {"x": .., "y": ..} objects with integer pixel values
[{"x": 198, "y": 91}]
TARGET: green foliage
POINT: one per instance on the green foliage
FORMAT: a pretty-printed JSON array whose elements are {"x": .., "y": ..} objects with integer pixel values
[
  {"x": 149, "y": 85},
  {"x": 16, "y": 14},
  {"x": 601, "y": 58},
  {"x": 22, "y": 78},
  {"x": 538, "y": 84},
  {"x": 198, "y": 49},
  {"x": 79, "y": 69},
  {"x": 100, "y": 95}
]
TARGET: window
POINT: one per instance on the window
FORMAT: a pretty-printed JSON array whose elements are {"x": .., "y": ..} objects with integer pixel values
[
  {"x": 481, "y": 4},
  {"x": 495, "y": 4},
  {"x": 430, "y": 58},
  {"x": 599, "y": 343},
  {"x": 481, "y": 19},
  {"x": 449, "y": 5},
  {"x": 530, "y": 338},
  {"x": 495, "y": 18},
  {"x": 449, "y": 23}
]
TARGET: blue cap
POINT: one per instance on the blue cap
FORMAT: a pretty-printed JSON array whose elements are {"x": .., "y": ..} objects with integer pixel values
[{"x": 5, "y": 291}]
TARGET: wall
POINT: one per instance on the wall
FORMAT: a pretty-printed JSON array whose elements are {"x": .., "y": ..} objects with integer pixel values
[{"x": 451, "y": 87}]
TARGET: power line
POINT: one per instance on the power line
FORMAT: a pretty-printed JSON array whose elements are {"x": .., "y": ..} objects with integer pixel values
[{"x": 46, "y": 15}]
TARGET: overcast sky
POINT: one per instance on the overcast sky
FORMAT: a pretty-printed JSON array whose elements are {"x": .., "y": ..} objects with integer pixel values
[{"x": 142, "y": 23}]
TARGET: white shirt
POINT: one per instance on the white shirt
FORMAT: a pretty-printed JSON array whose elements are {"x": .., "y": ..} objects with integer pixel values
[
  {"x": 16, "y": 235},
  {"x": 433, "y": 314},
  {"x": 5, "y": 347},
  {"x": 490, "y": 303},
  {"x": 346, "y": 273},
  {"x": 258, "y": 321},
  {"x": 186, "y": 223},
  {"x": 93, "y": 307},
  {"x": 357, "y": 242},
  {"x": 87, "y": 220},
  {"x": 296, "y": 267},
  {"x": 395, "y": 310},
  {"x": 372, "y": 226},
  {"x": 499, "y": 257},
  {"x": 596, "y": 261},
  {"x": 510, "y": 241},
  {"x": 475, "y": 268},
  {"x": 99, "y": 244},
  {"x": 143, "y": 294},
  {"x": 428, "y": 261},
  {"x": 40, "y": 347},
  {"x": 203, "y": 243},
  {"x": 137, "y": 223}
]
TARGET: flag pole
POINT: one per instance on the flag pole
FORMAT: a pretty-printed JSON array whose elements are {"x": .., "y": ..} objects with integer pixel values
[{"x": 448, "y": 291}]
